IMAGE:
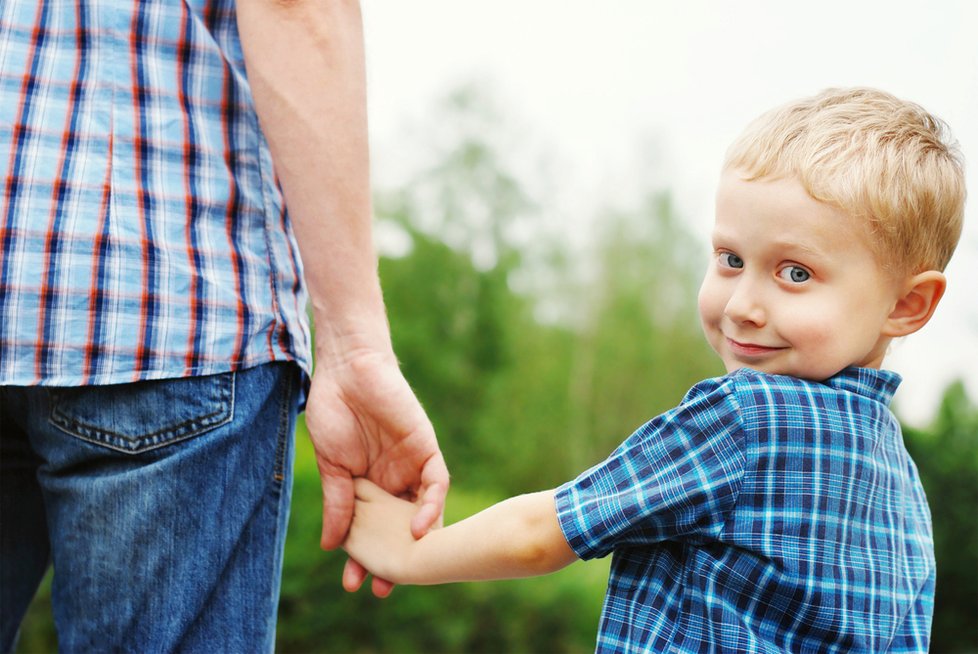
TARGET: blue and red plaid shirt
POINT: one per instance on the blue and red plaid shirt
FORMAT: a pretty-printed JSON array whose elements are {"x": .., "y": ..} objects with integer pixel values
[
  {"x": 142, "y": 231},
  {"x": 763, "y": 514}
]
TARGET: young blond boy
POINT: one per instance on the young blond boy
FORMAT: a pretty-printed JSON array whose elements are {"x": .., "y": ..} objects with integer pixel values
[{"x": 776, "y": 508}]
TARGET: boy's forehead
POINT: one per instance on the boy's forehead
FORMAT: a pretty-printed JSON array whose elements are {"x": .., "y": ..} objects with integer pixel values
[
  {"x": 785, "y": 192},
  {"x": 784, "y": 196},
  {"x": 780, "y": 212},
  {"x": 791, "y": 238}
]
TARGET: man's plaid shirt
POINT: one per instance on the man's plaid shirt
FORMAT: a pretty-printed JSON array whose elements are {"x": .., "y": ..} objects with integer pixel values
[
  {"x": 764, "y": 513},
  {"x": 142, "y": 233}
]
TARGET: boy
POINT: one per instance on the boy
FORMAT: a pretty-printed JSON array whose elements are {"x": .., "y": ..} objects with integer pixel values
[{"x": 775, "y": 509}]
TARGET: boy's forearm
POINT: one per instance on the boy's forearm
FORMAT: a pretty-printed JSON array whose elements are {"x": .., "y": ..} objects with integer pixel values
[{"x": 519, "y": 537}]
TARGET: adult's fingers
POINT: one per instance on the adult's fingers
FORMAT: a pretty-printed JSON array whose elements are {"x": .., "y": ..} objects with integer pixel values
[
  {"x": 435, "y": 481},
  {"x": 338, "y": 495}
]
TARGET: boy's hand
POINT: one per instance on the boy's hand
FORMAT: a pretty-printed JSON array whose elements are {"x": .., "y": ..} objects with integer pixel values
[{"x": 380, "y": 537}]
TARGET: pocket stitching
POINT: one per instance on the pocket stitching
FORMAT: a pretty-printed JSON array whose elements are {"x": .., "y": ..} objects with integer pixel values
[{"x": 145, "y": 443}]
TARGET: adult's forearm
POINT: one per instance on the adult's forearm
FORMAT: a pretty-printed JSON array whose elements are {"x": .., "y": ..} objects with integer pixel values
[
  {"x": 305, "y": 62},
  {"x": 519, "y": 537}
]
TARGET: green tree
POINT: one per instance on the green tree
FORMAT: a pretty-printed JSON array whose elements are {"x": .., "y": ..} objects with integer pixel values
[
  {"x": 553, "y": 614},
  {"x": 641, "y": 346},
  {"x": 946, "y": 455},
  {"x": 450, "y": 327},
  {"x": 574, "y": 391},
  {"x": 518, "y": 403}
]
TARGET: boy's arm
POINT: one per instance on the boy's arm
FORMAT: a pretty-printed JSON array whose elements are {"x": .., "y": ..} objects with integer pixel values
[{"x": 519, "y": 537}]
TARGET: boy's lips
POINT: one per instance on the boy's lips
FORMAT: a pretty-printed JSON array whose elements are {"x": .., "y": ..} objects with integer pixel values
[{"x": 751, "y": 349}]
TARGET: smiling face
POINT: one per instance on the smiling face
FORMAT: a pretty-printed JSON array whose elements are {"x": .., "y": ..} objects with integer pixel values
[{"x": 793, "y": 287}]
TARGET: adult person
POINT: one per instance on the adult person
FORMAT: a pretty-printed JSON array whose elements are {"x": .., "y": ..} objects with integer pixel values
[{"x": 154, "y": 346}]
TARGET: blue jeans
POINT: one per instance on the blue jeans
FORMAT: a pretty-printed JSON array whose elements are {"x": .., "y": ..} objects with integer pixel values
[{"x": 162, "y": 506}]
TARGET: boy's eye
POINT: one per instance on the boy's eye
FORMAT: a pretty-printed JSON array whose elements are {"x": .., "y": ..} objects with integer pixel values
[
  {"x": 794, "y": 274},
  {"x": 730, "y": 260}
]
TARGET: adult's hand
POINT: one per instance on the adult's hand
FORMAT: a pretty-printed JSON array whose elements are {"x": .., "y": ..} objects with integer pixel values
[
  {"x": 365, "y": 421},
  {"x": 306, "y": 71}
]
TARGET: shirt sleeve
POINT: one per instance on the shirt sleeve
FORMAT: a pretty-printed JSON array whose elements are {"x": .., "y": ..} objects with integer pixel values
[{"x": 676, "y": 477}]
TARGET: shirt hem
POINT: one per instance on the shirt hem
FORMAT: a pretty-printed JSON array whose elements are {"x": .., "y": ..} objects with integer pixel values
[{"x": 126, "y": 376}]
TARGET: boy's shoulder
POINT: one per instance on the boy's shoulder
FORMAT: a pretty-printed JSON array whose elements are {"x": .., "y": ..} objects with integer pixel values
[{"x": 786, "y": 419}]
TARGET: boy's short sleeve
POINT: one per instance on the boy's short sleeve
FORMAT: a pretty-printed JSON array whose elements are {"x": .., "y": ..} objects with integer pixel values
[{"x": 676, "y": 477}]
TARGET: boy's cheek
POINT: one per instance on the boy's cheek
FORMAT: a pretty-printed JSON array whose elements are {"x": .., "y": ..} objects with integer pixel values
[
  {"x": 710, "y": 311},
  {"x": 704, "y": 296}
]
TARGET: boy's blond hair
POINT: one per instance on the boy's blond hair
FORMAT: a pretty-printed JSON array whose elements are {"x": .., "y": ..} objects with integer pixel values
[{"x": 875, "y": 157}]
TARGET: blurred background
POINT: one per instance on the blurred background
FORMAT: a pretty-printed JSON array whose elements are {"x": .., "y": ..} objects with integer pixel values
[{"x": 544, "y": 175}]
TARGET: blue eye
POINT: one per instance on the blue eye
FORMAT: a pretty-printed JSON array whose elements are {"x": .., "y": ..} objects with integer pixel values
[
  {"x": 730, "y": 260},
  {"x": 794, "y": 274}
]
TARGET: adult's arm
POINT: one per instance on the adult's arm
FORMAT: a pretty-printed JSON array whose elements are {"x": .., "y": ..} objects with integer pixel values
[{"x": 305, "y": 63}]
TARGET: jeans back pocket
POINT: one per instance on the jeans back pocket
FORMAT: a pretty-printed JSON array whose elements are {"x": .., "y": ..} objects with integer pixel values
[{"x": 141, "y": 416}]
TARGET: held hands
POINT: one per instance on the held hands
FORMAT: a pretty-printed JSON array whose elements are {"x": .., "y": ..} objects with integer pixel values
[
  {"x": 364, "y": 421},
  {"x": 518, "y": 537},
  {"x": 380, "y": 537}
]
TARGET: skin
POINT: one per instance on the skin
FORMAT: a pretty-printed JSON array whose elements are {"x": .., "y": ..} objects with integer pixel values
[
  {"x": 471, "y": 550},
  {"x": 363, "y": 418},
  {"x": 794, "y": 288}
]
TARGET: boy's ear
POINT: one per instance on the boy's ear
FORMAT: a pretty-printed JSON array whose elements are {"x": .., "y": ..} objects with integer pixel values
[{"x": 913, "y": 309}]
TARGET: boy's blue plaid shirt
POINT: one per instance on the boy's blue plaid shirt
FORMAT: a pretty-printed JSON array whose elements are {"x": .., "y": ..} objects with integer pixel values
[
  {"x": 765, "y": 513},
  {"x": 142, "y": 233}
]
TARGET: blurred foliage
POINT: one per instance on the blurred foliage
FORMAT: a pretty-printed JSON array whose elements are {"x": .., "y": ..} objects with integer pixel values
[
  {"x": 518, "y": 404},
  {"x": 522, "y": 403},
  {"x": 946, "y": 455},
  {"x": 37, "y": 630},
  {"x": 554, "y": 614}
]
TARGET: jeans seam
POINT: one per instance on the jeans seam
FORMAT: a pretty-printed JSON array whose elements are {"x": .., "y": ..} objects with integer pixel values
[
  {"x": 283, "y": 428},
  {"x": 281, "y": 494}
]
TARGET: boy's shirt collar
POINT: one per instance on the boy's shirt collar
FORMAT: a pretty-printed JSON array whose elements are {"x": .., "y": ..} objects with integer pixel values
[
  {"x": 868, "y": 382},
  {"x": 878, "y": 385}
]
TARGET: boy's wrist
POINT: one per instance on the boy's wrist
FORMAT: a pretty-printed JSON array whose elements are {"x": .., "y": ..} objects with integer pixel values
[
  {"x": 412, "y": 567},
  {"x": 406, "y": 570}
]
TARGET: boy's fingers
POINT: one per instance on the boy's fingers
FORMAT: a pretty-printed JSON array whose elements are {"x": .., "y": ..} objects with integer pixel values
[
  {"x": 366, "y": 489},
  {"x": 381, "y": 587},
  {"x": 354, "y": 575}
]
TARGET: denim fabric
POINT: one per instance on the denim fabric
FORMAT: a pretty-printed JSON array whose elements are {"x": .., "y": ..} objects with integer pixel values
[{"x": 162, "y": 506}]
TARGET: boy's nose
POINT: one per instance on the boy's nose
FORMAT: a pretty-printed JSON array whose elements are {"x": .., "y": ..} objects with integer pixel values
[{"x": 744, "y": 305}]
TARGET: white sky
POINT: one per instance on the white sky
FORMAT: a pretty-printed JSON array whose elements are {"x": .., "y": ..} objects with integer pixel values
[{"x": 600, "y": 82}]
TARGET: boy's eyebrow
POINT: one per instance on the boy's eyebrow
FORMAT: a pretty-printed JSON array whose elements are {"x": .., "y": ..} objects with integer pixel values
[
  {"x": 721, "y": 237},
  {"x": 803, "y": 247}
]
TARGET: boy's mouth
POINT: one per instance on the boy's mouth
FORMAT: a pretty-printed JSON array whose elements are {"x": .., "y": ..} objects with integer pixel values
[{"x": 751, "y": 350}]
